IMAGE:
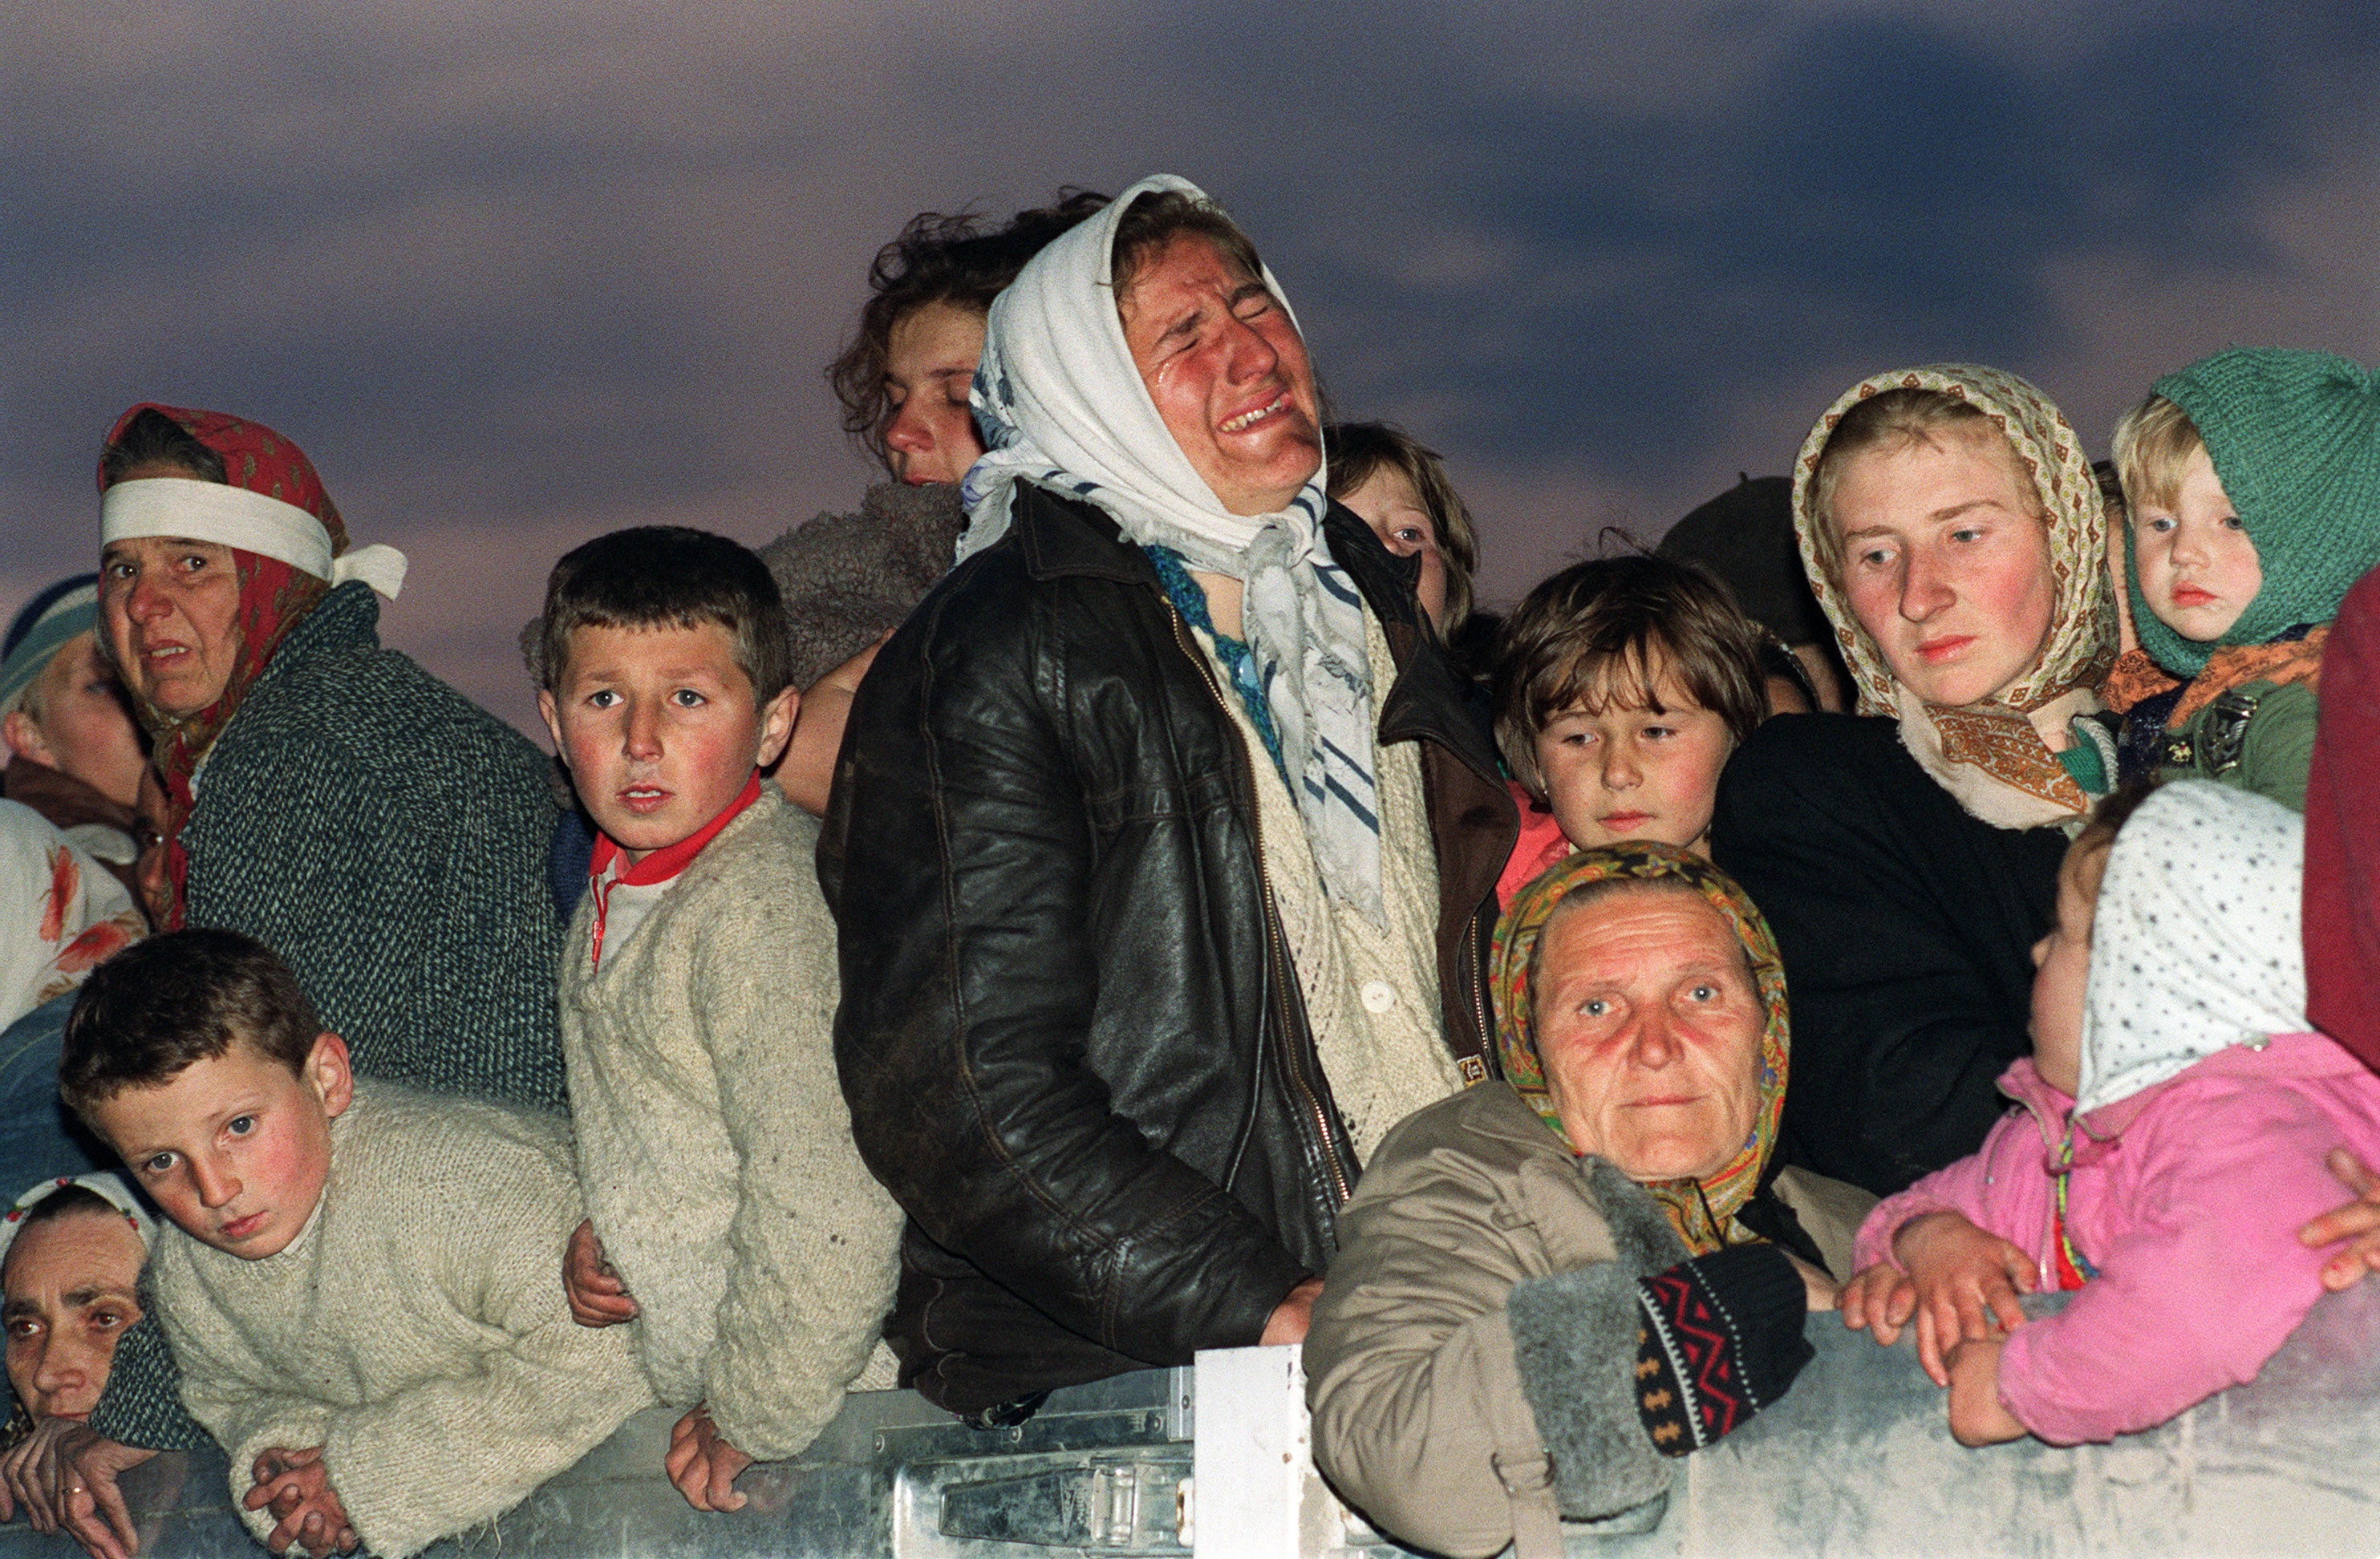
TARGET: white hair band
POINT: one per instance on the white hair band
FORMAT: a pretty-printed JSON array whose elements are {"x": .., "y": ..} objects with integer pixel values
[{"x": 232, "y": 516}]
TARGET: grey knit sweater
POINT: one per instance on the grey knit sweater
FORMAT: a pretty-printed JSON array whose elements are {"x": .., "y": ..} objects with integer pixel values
[
  {"x": 386, "y": 837},
  {"x": 849, "y": 579},
  {"x": 714, "y": 1146}
]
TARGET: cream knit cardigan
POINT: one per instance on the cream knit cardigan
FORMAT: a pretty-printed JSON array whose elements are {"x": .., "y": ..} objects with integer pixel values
[
  {"x": 714, "y": 1146},
  {"x": 1371, "y": 992},
  {"x": 415, "y": 1329}
]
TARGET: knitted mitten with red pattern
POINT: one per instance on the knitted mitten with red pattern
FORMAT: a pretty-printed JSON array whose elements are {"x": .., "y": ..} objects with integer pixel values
[{"x": 1720, "y": 1339}]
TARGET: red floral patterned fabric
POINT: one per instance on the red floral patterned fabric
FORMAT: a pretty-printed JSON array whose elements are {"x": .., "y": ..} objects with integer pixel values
[{"x": 273, "y": 597}]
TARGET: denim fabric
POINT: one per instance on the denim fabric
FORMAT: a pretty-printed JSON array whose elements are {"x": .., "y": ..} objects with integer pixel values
[{"x": 40, "y": 1139}]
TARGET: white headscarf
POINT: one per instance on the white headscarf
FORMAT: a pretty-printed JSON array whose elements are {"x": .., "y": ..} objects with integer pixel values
[
  {"x": 1061, "y": 405},
  {"x": 2195, "y": 943},
  {"x": 187, "y": 508},
  {"x": 109, "y": 1189}
]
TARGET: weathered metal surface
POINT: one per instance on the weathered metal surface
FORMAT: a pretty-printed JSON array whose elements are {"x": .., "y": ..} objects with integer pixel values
[
  {"x": 1856, "y": 1460},
  {"x": 871, "y": 1485}
]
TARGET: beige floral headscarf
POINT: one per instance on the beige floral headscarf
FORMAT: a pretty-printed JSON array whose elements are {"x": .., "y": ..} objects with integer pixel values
[{"x": 1991, "y": 756}]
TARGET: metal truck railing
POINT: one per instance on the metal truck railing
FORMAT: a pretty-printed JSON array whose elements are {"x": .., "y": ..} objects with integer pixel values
[{"x": 1212, "y": 1461}]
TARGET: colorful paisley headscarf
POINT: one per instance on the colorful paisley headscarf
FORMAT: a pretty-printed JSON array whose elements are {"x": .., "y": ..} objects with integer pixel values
[
  {"x": 1990, "y": 755},
  {"x": 1703, "y": 1212},
  {"x": 274, "y": 598}
]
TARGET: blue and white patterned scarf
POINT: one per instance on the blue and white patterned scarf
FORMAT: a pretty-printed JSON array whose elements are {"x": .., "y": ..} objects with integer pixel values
[{"x": 1061, "y": 405}]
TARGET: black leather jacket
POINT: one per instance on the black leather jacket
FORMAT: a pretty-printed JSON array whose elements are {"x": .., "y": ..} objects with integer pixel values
[{"x": 1070, "y": 1036}]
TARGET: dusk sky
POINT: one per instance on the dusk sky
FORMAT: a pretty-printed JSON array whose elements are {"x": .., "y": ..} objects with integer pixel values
[{"x": 516, "y": 275}]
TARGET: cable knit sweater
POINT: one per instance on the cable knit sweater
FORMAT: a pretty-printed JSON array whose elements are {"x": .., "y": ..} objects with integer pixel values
[
  {"x": 415, "y": 1329},
  {"x": 714, "y": 1145},
  {"x": 1370, "y": 992}
]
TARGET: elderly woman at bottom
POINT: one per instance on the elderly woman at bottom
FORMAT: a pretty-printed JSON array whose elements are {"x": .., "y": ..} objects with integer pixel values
[{"x": 1547, "y": 1287}]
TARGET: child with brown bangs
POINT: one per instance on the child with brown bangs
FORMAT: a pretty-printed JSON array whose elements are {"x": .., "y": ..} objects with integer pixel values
[
  {"x": 1398, "y": 486},
  {"x": 1622, "y": 686}
]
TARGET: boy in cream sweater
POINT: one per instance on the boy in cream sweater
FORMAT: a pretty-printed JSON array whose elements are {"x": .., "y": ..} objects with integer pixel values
[
  {"x": 360, "y": 1290},
  {"x": 731, "y": 1219}
]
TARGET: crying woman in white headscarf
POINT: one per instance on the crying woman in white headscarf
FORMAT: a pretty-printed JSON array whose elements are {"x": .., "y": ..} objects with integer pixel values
[
  {"x": 1162, "y": 846},
  {"x": 2177, "y": 1111}
]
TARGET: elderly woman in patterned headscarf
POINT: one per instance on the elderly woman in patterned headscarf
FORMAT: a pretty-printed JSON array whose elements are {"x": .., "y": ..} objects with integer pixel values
[
  {"x": 1908, "y": 855},
  {"x": 1545, "y": 1286}
]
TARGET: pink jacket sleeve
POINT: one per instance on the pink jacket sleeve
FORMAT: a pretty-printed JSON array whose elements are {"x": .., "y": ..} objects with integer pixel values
[
  {"x": 2202, "y": 1284},
  {"x": 2003, "y": 1187}
]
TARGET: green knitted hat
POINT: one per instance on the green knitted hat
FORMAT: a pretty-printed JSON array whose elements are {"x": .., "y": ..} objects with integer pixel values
[{"x": 2295, "y": 438}]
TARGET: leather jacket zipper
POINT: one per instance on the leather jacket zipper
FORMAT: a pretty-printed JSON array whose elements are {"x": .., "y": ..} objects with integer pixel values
[
  {"x": 1471, "y": 973},
  {"x": 1273, "y": 940}
]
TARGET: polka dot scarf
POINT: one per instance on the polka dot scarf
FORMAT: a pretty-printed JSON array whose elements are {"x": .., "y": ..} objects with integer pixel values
[{"x": 2195, "y": 943}]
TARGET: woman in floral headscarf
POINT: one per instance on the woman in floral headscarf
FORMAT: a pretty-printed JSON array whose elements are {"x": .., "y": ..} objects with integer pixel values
[
  {"x": 1540, "y": 1284},
  {"x": 1908, "y": 855},
  {"x": 381, "y": 832}
]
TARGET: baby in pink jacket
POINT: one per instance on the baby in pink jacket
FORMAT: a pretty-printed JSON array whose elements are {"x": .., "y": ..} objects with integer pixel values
[{"x": 2177, "y": 1117}]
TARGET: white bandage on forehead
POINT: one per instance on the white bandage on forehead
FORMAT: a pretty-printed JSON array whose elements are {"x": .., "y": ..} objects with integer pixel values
[{"x": 231, "y": 516}]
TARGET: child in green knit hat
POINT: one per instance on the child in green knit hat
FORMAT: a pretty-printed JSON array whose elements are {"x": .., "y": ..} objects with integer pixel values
[{"x": 2253, "y": 481}]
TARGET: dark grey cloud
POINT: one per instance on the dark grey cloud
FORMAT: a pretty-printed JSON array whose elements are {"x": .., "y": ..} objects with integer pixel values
[
  {"x": 1879, "y": 189},
  {"x": 513, "y": 275}
]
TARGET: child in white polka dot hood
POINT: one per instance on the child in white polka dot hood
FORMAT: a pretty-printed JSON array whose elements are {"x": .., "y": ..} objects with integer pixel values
[{"x": 2176, "y": 1112}]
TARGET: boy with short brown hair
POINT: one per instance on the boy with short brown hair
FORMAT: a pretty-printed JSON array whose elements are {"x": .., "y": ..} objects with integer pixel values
[
  {"x": 360, "y": 1289},
  {"x": 730, "y": 1217}
]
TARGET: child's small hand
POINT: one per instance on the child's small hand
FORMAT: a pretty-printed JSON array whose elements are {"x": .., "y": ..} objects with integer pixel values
[
  {"x": 1967, "y": 1284},
  {"x": 1977, "y": 1415},
  {"x": 295, "y": 1487},
  {"x": 597, "y": 1296},
  {"x": 1878, "y": 1301},
  {"x": 703, "y": 1465},
  {"x": 2358, "y": 1222}
]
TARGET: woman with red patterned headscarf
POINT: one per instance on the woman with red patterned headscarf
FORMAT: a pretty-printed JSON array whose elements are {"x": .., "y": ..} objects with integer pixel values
[
  {"x": 226, "y": 568},
  {"x": 381, "y": 832}
]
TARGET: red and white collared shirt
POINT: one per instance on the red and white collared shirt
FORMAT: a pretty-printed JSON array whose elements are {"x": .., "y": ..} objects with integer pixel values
[{"x": 626, "y": 893}]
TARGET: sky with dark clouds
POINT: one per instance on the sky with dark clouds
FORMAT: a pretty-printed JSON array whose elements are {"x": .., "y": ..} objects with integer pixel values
[{"x": 516, "y": 275}]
